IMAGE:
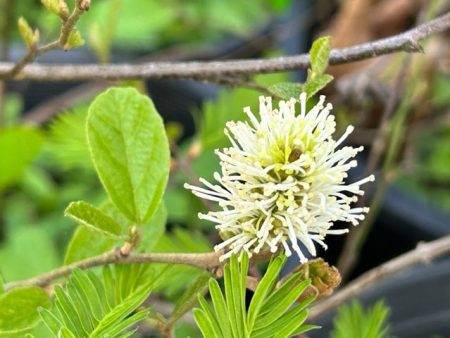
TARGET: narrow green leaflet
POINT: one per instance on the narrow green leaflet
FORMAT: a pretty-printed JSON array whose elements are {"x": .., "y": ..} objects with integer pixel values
[
  {"x": 286, "y": 90},
  {"x": 90, "y": 306},
  {"x": 238, "y": 292},
  {"x": 18, "y": 308},
  {"x": 211, "y": 318},
  {"x": 86, "y": 214},
  {"x": 221, "y": 307},
  {"x": 204, "y": 323},
  {"x": 262, "y": 291},
  {"x": 18, "y": 147},
  {"x": 130, "y": 150},
  {"x": 319, "y": 55},
  {"x": 273, "y": 312},
  {"x": 66, "y": 333},
  {"x": 287, "y": 324},
  {"x": 291, "y": 297}
]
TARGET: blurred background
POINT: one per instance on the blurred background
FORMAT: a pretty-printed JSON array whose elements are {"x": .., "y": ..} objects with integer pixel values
[{"x": 400, "y": 105}]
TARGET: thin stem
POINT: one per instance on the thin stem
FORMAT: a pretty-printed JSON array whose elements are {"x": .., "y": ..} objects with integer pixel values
[
  {"x": 33, "y": 52},
  {"x": 424, "y": 253},
  {"x": 208, "y": 261},
  {"x": 213, "y": 70}
]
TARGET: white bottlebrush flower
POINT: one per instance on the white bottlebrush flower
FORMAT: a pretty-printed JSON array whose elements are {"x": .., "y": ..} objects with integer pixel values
[{"x": 282, "y": 181}]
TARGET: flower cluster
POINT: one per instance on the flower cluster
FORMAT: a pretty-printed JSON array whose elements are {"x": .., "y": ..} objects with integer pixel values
[{"x": 282, "y": 181}]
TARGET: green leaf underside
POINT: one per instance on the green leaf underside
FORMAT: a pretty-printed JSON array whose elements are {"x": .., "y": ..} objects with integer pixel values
[
  {"x": 86, "y": 214},
  {"x": 18, "y": 309},
  {"x": 273, "y": 312},
  {"x": 90, "y": 306},
  {"x": 287, "y": 90},
  {"x": 130, "y": 151}
]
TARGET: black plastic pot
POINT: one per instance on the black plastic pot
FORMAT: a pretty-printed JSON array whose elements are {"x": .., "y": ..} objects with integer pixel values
[
  {"x": 414, "y": 217},
  {"x": 403, "y": 220},
  {"x": 419, "y": 299}
]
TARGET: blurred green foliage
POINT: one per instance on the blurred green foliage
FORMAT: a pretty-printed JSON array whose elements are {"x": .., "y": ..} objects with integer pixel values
[
  {"x": 428, "y": 176},
  {"x": 352, "y": 321},
  {"x": 18, "y": 147},
  {"x": 150, "y": 24}
]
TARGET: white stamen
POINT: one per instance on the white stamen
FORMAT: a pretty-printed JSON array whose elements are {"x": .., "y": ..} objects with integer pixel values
[{"x": 269, "y": 198}]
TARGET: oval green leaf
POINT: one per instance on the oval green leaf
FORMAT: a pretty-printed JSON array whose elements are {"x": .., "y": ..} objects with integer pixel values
[
  {"x": 92, "y": 217},
  {"x": 130, "y": 151},
  {"x": 320, "y": 54}
]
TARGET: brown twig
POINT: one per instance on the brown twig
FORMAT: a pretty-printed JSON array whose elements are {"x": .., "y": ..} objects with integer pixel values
[
  {"x": 208, "y": 261},
  {"x": 213, "y": 70},
  {"x": 424, "y": 253}
]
